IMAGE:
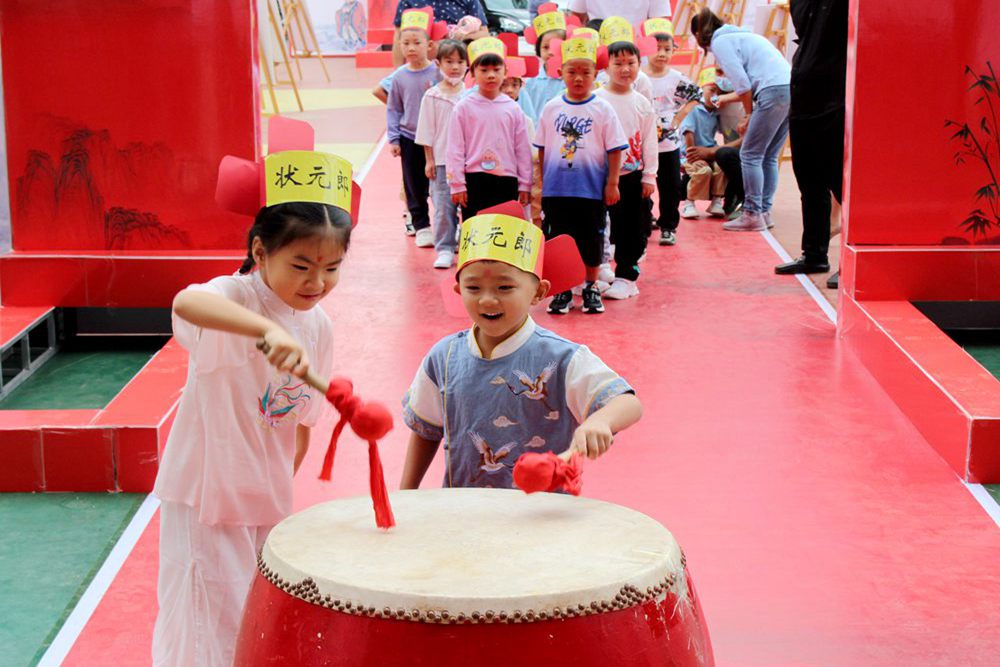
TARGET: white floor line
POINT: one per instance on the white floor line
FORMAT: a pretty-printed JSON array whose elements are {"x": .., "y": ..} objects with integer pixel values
[
  {"x": 366, "y": 167},
  {"x": 809, "y": 286},
  {"x": 978, "y": 492},
  {"x": 84, "y": 609},
  {"x": 78, "y": 618},
  {"x": 984, "y": 498}
]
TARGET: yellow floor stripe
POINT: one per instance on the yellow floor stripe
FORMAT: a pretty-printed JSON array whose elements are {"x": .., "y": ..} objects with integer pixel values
[{"x": 315, "y": 99}]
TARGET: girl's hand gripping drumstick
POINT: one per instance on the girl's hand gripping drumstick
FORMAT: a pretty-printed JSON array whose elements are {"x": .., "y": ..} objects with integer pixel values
[{"x": 370, "y": 421}]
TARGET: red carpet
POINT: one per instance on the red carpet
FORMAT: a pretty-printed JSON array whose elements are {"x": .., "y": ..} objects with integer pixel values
[{"x": 819, "y": 527}]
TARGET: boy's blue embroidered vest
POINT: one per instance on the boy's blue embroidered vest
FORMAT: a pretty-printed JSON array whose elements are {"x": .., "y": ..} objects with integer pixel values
[{"x": 497, "y": 409}]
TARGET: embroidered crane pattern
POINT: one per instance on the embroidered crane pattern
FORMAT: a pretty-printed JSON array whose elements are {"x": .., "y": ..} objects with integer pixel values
[{"x": 277, "y": 404}]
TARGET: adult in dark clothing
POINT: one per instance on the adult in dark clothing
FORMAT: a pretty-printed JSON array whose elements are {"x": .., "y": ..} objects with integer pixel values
[{"x": 816, "y": 123}]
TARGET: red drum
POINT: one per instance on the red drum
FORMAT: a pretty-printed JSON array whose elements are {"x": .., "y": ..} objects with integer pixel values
[{"x": 473, "y": 577}]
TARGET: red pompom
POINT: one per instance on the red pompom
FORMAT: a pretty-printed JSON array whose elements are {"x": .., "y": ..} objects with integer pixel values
[
  {"x": 535, "y": 472},
  {"x": 371, "y": 421}
]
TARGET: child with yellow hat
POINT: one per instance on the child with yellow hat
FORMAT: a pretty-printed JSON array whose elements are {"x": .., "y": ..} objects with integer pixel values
[{"x": 507, "y": 386}]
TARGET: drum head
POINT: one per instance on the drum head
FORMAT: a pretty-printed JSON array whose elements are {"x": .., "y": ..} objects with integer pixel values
[{"x": 484, "y": 555}]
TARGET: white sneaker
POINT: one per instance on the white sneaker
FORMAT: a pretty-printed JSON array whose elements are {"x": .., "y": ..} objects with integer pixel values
[
  {"x": 689, "y": 211},
  {"x": 444, "y": 259},
  {"x": 768, "y": 222},
  {"x": 748, "y": 222},
  {"x": 717, "y": 210},
  {"x": 622, "y": 289},
  {"x": 424, "y": 238},
  {"x": 601, "y": 285},
  {"x": 606, "y": 274}
]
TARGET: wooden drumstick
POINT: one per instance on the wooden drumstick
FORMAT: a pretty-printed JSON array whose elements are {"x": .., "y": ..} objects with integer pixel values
[
  {"x": 370, "y": 421},
  {"x": 310, "y": 378}
]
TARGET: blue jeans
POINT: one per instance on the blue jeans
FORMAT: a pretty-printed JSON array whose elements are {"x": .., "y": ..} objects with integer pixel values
[
  {"x": 445, "y": 213},
  {"x": 762, "y": 146}
]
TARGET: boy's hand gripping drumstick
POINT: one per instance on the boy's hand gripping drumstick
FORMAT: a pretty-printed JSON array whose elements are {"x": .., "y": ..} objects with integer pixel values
[{"x": 371, "y": 421}]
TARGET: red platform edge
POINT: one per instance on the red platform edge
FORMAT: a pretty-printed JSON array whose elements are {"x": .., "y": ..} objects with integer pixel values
[
  {"x": 140, "y": 280},
  {"x": 114, "y": 449},
  {"x": 951, "y": 399}
]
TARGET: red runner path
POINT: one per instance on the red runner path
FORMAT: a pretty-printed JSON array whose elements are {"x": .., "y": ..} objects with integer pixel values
[{"x": 819, "y": 526}]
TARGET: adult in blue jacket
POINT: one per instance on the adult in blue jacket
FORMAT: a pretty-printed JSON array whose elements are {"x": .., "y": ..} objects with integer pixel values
[{"x": 760, "y": 75}]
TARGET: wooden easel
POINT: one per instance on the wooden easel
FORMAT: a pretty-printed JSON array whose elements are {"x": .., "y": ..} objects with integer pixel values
[
  {"x": 777, "y": 25},
  {"x": 686, "y": 43},
  {"x": 280, "y": 39},
  {"x": 296, "y": 17},
  {"x": 731, "y": 11}
]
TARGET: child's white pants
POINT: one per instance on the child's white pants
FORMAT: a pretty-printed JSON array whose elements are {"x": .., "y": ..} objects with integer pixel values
[{"x": 205, "y": 574}]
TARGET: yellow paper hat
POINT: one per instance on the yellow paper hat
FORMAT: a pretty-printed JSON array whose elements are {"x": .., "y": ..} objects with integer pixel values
[
  {"x": 579, "y": 48},
  {"x": 501, "y": 238},
  {"x": 706, "y": 76},
  {"x": 544, "y": 23},
  {"x": 308, "y": 176},
  {"x": 616, "y": 29},
  {"x": 585, "y": 33},
  {"x": 480, "y": 47},
  {"x": 415, "y": 18},
  {"x": 653, "y": 27}
]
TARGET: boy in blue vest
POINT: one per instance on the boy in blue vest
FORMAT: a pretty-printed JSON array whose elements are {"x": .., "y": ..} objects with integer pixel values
[{"x": 507, "y": 386}]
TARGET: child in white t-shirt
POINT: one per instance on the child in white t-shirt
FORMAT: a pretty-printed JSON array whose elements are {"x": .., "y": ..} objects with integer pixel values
[
  {"x": 637, "y": 179},
  {"x": 673, "y": 96}
]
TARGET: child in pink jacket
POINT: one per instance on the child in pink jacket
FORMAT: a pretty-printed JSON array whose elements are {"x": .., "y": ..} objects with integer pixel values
[{"x": 489, "y": 148}]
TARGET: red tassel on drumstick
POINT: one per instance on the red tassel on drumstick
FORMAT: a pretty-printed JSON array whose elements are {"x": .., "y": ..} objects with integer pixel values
[
  {"x": 371, "y": 422},
  {"x": 549, "y": 472}
]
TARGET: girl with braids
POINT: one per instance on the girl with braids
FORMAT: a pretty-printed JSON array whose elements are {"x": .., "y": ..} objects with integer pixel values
[
  {"x": 760, "y": 76},
  {"x": 244, "y": 419}
]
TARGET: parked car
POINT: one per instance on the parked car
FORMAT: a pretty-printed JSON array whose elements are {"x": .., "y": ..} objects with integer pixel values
[{"x": 506, "y": 15}]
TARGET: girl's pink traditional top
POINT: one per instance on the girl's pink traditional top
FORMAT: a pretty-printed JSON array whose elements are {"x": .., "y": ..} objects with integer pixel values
[
  {"x": 489, "y": 136},
  {"x": 231, "y": 450}
]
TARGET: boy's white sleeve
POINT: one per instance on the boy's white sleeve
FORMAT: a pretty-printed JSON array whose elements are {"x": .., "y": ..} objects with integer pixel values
[
  {"x": 650, "y": 146},
  {"x": 426, "y": 122},
  {"x": 590, "y": 384},
  {"x": 540, "y": 130},
  {"x": 614, "y": 134},
  {"x": 422, "y": 406}
]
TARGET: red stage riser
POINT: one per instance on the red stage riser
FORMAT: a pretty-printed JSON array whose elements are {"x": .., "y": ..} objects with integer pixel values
[
  {"x": 119, "y": 282},
  {"x": 114, "y": 449},
  {"x": 117, "y": 115},
  {"x": 279, "y": 629},
  {"x": 953, "y": 402}
]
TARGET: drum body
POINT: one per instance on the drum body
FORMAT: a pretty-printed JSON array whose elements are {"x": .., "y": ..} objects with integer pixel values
[{"x": 588, "y": 596}]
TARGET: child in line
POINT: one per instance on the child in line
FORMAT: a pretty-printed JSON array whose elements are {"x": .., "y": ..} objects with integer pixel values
[
  {"x": 614, "y": 29},
  {"x": 580, "y": 142},
  {"x": 432, "y": 133},
  {"x": 673, "y": 95},
  {"x": 637, "y": 180},
  {"x": 705, "y": 179},
  {"x": 381, "y": 93},
  {"x": 550, "y": 24},
  {"x": 489, "y": 150},
  {"x": 507, "y": 386},
  {"x": 402, "y": 111},
  {"x": 244, "y": 420}
]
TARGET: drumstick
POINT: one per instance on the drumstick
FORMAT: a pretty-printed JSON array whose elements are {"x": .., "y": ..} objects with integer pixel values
[
  {"x": 310, "y": 378},
  {"x": 370, "y": 421},
  {"x": 546, "y": 471}
]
